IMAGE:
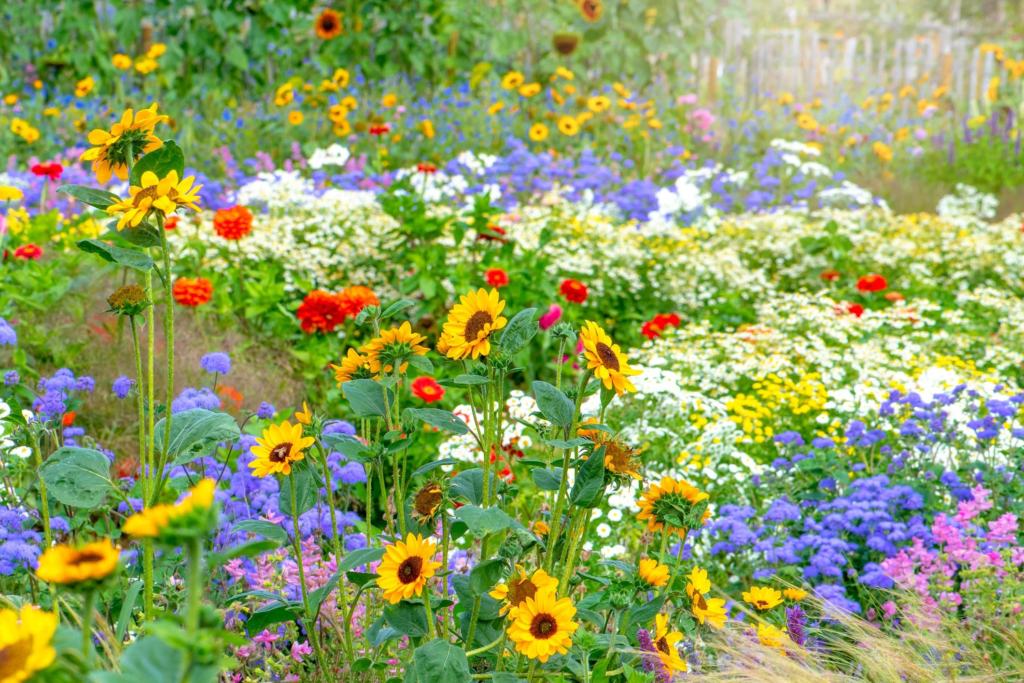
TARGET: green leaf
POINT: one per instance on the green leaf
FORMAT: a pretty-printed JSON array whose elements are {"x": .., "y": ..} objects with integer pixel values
[
  {"x": 360, "y": 578},
  {"x": 142, "y": 235},
  {"x": 263, "y": 528},
  {"x": 483, "y": 521},
  {"x": 235, "y": 55},
  {"x": 408, "y": 618},
  {"x": 554, "y": 404},
  {"x": 195, "y": 433},
  {"x": 484, "y": 575},
  {"x": 367, "y": 397},
  {"x": 433, "y": 465},
  {"x": 644, "y": 612},
  {"x": 395, "y": 308},
  {"x": 588, "y": 489},
  {"x": 421, "y": 363},
  {"x": 442, "y": 419},
  {"x": 152, "y": 660},
  {"x": 358, "y": 558},
  {"x": 441, "y": 662},
  {"x": 572, "y": 443},
  {"x": 470, "y": 485},
  {"x": 160, "y": 161},
  {"x": 546, "y": 480},
  {"x": 77, "y": 477},
  {"x": 471, "y": 379},
  {"x": 130, "y": 597},
  {"x": 504, "y": 677},
  {"x": 247, "y": 549},
  {"x": 489, "y": 607},
  {"x": 519, "y": 331},
  {"x": 379, "y": 633},
  {"x": 125, "y": 257},
  {"x": 92, "y": 196},
  {"x": 349, "y": 446},
  {"x": 307, "y": 492},
  {"x": 268, "y": 615}
]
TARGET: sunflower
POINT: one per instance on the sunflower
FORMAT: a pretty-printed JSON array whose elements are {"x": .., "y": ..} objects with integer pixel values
[
  {"x": 592, "y": 10},
  {"x": 606, "y": 359},
  {"x": 163, "y": 195},
  {"x": 529, "y": 90},
  {"x": 280, "y": 446},
  {"x": 665, "y": 642},
  {"x": 67, "y": 565},
  {"x": 406, "y": 567},
  {"x": 131, "y": 137},
  {"x": 304, "y": 416},
  {"x": 426, "y": 501},
  {"x": 353, "y": 366},
  {"x": 568, "y": 125},
  {"x": 340, "y": 78},
  {"x": 328, "y": 25},
  {"x": 471, "y": 322},
  {"x": 396, "y": 343},
  {"x": 25, "y": 643},
  {"x": 763, "y": 597},
  {"x": 337, "y": 113},
  {"x": 515, "y": 591},
  {"x": 598, "y": 104},
  {"x": 512, "y": 80},
  {"x": 618, "y": 456},
  {"x": 670, "y": 497},
  {"x": 656, "y": 575},
  {"x": 543, "y": 626},
  {"x": 155, "y": 521},
  {"x": 541, "y": 528},
  {"x": 771, "y": 636},
  {"x": 538, "y": 132},
  {"x": 795, "y": 594},
  {"x": 710, "y": 611}
]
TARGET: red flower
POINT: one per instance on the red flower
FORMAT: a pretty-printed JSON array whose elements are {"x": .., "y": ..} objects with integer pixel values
[
  {"x": 664, "y": 320},
  {"x": 496, "y": 277},
  {"x": 872, "y": 283},
  {"x": 829, "y": 275},
  {"x": 51, "y": 170},
  {"x": 28, "y": 252},
  {"x": 380, "y": 129},
  {"x": 192, "y": 292},
  {"x": 232, "y": 224},
  {"x": 893, "y": 296},
  {"x": 855, "y": 310},
  {"x": 427, "y": 389},
  {"x": 574, "y": 291},
  {"x": 492, "y": 233},
  {"x": 355, "y": 299},
  {"x": 171, "y": 222},
  {"x": 506, "y": 475},
  {"x": 321, "y": 311},
  {"x": 68, "y": 419},
  {"x": 424, "y": 167},
  {"x": 650, "y": 330}
]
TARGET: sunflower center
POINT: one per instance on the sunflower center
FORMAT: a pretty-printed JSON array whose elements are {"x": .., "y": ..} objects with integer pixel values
[
  {"x": 427, "y": 500},
  {"x": 519, "y": 591},
  {"x": 151, "y": 193},
  {"x": 280, "y": 452},
  {"x": 607, "y": 356},
  {"x": 410, "y": 569},
  {"x": 761, "y": 604},
  {"x": 327, "y": 23},
  {"x": 543, "y": 626},
  {"x": 477, "y": 324},
  {"x": 619, "y": 457},
  {"x": 699, "y": 602},
  {"x": 662, "y": 645},
  {"x": 85, "y": 557},
  {"x": 13, "y": 659}
]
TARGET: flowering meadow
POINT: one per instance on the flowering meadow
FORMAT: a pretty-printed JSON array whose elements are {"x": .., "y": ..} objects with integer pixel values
[{"x": 437, "y": 372}]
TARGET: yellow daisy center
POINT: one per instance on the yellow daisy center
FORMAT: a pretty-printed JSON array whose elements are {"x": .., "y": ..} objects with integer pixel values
[
  {"x": 476, "y": 324},
  {"x": 14, "y": 658},
  {"x": 280, "y": 452},
  {"x": 410, "y": 569},
  {"x": 607, "y": 356},
  {"x": 543, "y": 626}
]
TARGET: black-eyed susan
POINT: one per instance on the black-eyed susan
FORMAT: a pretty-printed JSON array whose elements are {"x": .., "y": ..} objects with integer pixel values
[
  {"x": 340, "y": 78},
  {"x": 280, "y": 446},
  {"x": 392, "y": 345},
  {"x": 426, "y": 502},
  {"x": 763, "y": 597},
  {"x": 164, "y": 195},
  {"x": 471, "y": 322},
  {"x": 529, "y": 89},
  {"x": 337, "y": 113},
  {"x": 562, "y": 72},
  {"x": 189, "y": 517},
  {"x": 709, "y": 611},
  {"x": 653, "y": 574},
  {"x": 598, "y": 104},
  {"x": 543, "y": 626},
  {"x": 406, "y": 566},
  {"x": 674, "y": 503},
  {"x": 130, "y": 138},
  {"x": 568, "y": 125},
  {"x": 26, "y": 643},
  {"x": 121, "y": 61},
  {"x": 795, "y": 594},
  {"x": 353, "y": 366},
  {"x": 328, "y": 25},
  {"x": 606, "y": 359},
  {"x": 591, "y": 10},
  {"x": 538, "y": 132},
  {"x": 665, "y": 643},
  {"x": 342, "y": 129},
  {"x": 512, "y": 80},
  {"x": 67, "y": 565},
  {"x": 519, "y": 588}
]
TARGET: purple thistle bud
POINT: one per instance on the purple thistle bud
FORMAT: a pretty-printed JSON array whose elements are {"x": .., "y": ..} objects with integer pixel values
[
  {"x": 795, "y": 622},
  {"x": 652, "y": 664}
]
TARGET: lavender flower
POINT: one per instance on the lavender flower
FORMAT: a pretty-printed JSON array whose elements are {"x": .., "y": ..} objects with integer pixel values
[
  {"x": 7, "y": 333},
  {"x": 796, "y": 620},
  {"x": 11, "y": 378},
  {"x": 652, "y": 664},
  {"x": 122, "y": 385},
  {"x": 217, "y": 363}
]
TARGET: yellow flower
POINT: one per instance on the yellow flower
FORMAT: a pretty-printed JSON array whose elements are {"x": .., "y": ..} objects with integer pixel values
[
  {"x": 653, "y": 573},
  {"x": 763, "y": 597},
  {"x": 84, "y": 86},
  {"x": 132, "y": 136},
  {"x": 428, "y": 129},
  {"x": 10, "y": 194},
  {"x": 398, "y": 342},
  {"x": 771, "y": 636},
  {"x": 353, "y": 366},
  {"x": 471, "y": 322},
  {"x": 11, "y": 99},
  {"x": 538, "y": 132},
  {"x": 304, "y": 416},
  {"x": 37, "y": 84},
  {"x": 543, "y": 626},
  {"x": 529, "y": 90},
  {"x": 707, "y": 610},
  {"x": 152, "y": 521},
  {"x": 121, "y": 61},
  {"x": 284, "y": 95},
  {"x": 349, "y": 102},
  {"x": 163, "y": 195},
  {"x": 598, "y": 104},
  {"x": 568, "y": 126},
  {"x": 583, "y": 117},
  {"x": 513, "y": 593},
  {"x": 295, "y": 118},
  {"x": 405, "y": 568},
  {"x": 340, "y": 78},
  {"x": 495, "y": 108},
  {"x": 328, "y": 25},
  {"x": 280, "y": 446},
  {"x": 606, "y": 359},
  {"x": 939, "y": 92},
  {"x": 146, "y": 66},
  {"x": 426, "y": 501},
  {"x": 26, "y": 645},
  {"x": 882, "y": 151},
  {"x": 565, "y": 73},
  {"x": 665, "y": 643},
  {"x": 337, "y": 113},
  {"x": 907, "y": 91},
  {"x": 389, "y": 100},
  {"x": 807, "y": 122},
  {"x": 654, "y": 123},
  {"x": 67, "y": 565},
  {"x": 698, "y": 582},
  {"x": 678, "y": 493},
  {"x": 541, "y": 528},
  {"x": 795, "y": 594},
  {"x": 156, "y": 51},
  {"x": 512, "y": 80},
  {"x": 342, "y": 128},
  {"x": 785, "y": 98}
]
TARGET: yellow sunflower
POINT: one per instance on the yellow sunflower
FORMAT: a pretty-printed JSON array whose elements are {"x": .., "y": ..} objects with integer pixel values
[
  {"x": 280, "y": 446},
  {"x": 515, "y": 591},
  {"x": 152, "y": 521},
  {"x": 763, "y": 597},
  {"x": 471, "y": 322},
  {"x": 529, "y": 90},
  {"x": 131, "y": 137},
  {"x": 598, "y": 104},
  {"x": 568, "y": 125},
  {"x": 353, "y": 366},
  {"x": 665, "y": 643},
  {"x": 543, "y": 625},
  {"x": 795, "y": 594},
  {"x": 163, "y": 195},
  {"x": 606, "y": 359},
  {"x": 771, "y": 636},
  {"x": 328, "y": 25},
  {"x": 538, "y": 132},
  {"x": 67, "y": 565},
  {"x": 25, "y": 643},
  {"x": 512, "y": 80},
  {"x": 661, "y": 497},
  {"x": 653, "y": 573},
  {"x": 707, "y": 610},
  {"x": 405, "y": 568},
  {"x": 398, "y": 342}
]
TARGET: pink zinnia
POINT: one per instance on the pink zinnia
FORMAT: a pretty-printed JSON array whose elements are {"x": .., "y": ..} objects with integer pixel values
[{"x": 553, "y": 315}]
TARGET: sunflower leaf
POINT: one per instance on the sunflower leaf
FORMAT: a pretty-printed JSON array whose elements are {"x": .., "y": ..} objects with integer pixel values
[
  {"x": 367, "y": 397},
  {"x": 96, "y": 198},
  {"x": 485, "y": 575},
  {"x": 588, "y": 489},
  {"x": 554, "y": 404},
  {"x": 519, "y": 331},
  {"x": 160, "y": 161},
  {"x": 441, "y": 419},
  {"x": 441, "y": 662},
  {"x": 125, "y": 257},
  {"x": 395, "y": 308}
]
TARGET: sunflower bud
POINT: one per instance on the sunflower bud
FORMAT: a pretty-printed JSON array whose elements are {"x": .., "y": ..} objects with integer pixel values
[
  {"x": 510, "y": 548},
  {"x": 621, "y": 599},
  {"x": 586, "y": 640},
  {"x": 128, "y": 300},
  {"x": 575, "y": 580},
  {"x": 565, "y": 43},
  {"x": 564, "y": 330}
]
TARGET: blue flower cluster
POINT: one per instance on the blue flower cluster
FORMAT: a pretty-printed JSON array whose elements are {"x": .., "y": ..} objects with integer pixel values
[{"x": 55, "y": 393}]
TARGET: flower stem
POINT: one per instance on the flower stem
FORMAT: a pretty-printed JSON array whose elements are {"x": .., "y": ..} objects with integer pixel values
[
  {"x": 169, "y": 330},
  {"x": 140, "y": 383},
  {"x": 87, "y": 625},
  {"x": 342, "y": 591},
  {"x": 195, "y": 586},
  {"x": 297, "y": 548}
]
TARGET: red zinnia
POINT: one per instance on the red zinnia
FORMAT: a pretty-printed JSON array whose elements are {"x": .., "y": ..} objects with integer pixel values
[
  {"x": 424, "y": 167},
  {"x": 427, "y": 389},
  {"x": 321, "y": 311},
  {"x": 574, "y": 291},
  {"x": 355, "y": 299},
  {"x": 664, "y": 320},
  {"x": 650, "y": 330},
  {"x": 829, "y": 275},
  {"x": 893, "y": 296},
  {"x": 232, "y": 224},
  {"x": 380, "y": 129},
  {"x": 51, "y": 170},
  {"x": 68, "y": 419},
  {"x": 496, "y": 277},
  {"x": 855, "y": 310},
  {"x": 872, "y": 283},
  {"x": 171, "y": 222},
  {"x": 28, "y": 252},
  {"x": 192, "y": 292}
]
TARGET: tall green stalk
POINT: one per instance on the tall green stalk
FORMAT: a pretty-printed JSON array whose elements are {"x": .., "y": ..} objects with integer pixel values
[
  {"x": 297, "y": 548},
  {"x": 342, "y": 590}
]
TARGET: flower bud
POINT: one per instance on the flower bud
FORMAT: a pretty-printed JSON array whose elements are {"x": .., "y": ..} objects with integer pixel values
[{"x": 128, "y": 300}]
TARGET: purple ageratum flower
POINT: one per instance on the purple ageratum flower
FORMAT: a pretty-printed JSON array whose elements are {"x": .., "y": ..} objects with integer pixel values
[
  {"x": 651, "y": 661},
  {"x": 11, "y": 378},
  {"x": 122, "y": 385},
  {"x": 217, "y": 363},
  {"x": 7, "y": 333},
  {"x": 266, "y": 411},
  {"x": 339, "y": 427},
  {"x": 190, "y": 399},
  {"x": 85, "y": 384}
]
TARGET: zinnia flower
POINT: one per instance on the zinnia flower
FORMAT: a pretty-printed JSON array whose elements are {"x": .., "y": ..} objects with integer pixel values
[
  {"x": 543, "y": 626},
  {"x": 872, "y": 283},
  {"x": 192, "y": 292},
  {"x": 496, "y": 277},
  {"x": 51, "y": 170},
  {"x": 427, "y": 389},
  {"x": 355, "y": 299},
  {"x": 471, "y": 322},
  {"x": 406, "y": 567},
  {"x": 28, "y": 252},
  {"x": 574, "y": 291},
  {"x": 280, "y": 446},
  {"x": 321, "y": 311},
  {"x": 516, "y": 590},
  {"x": 232, "y": 224}
]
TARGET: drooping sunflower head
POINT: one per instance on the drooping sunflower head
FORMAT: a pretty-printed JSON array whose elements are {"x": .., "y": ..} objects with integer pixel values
[
  {"x": 128, "y": 139},
  {"x": 280, "y": 446},
  {"x": 426, "y": 501},
  {"x": 128, "y": 300},
  {"x": 665, "y": 643},
  {"x": 543, "y": 626},
  {"x": 328, "y": 25},
  {"x": 78, "y": 567},
  {"x": 674, "y": 503},
  {"x": 190, "y": 517},
  {"x": 353, "y": 366},
  {"x": 26, "y": 642},
  {"x": 471, "y": 322},
  {"x": 394, "y": 345},
  {"x": 164, "y": 195},
  {"x": 606, "y": 359},
  {"x": 519, "y": 588},
  {"x": 620, "y": 459},
  {"x": 763, "y": 598},
  {"x": 653, "y": 574},
  {"x": 406, "y": 566},
  {"x": 770, "y": 636}
]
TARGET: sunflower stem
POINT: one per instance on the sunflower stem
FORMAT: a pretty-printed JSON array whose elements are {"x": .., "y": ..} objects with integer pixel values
[
  {"x": 342, "y": 590},
  {"x": 297, "y": 549},
  {"x": 195, "y": 586},
  {"x": 487, "y": 647},
  {"x": 169, "y": 331},
  {"x": 679, "y": 561},
  {"x": 430, "y": 614},
  {"x": 140, "y": 383},
  {"x": 384, "y": 498},
  {"x": 87, "y": 625},
  {"x": 44, "y": 507},
  {"x": 445, "y": 540}
]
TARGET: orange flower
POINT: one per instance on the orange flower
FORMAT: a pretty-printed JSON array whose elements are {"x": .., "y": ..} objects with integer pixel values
[
  {"x": 232, "y": 224},
  {"x": 192, "y": 292},
  {"x": 328, "y": 24},
  {"x": 574, "y": 291},
  {"x": 321, "y": 311},
  {"x": 427, "y": 389},
  {"x": 28, "y": 252},
  {"x": 591, "y": 9},
  {"x": 355, "y": 299}
]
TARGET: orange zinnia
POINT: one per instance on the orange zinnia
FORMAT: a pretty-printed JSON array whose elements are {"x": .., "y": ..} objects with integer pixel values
[
  {"x": 232, "y": 224},
  {"x": 192, "y": 292}
]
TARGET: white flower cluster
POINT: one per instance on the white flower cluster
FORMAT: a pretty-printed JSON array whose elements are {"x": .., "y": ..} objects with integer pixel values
[
  {"x": 967, "y": 203},
  {"x": 515, "y": 436}
]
